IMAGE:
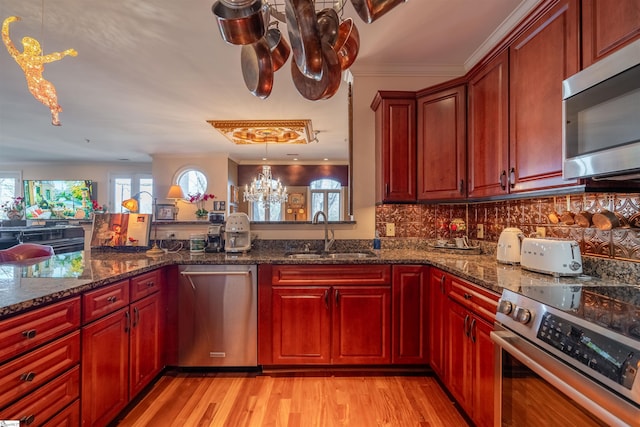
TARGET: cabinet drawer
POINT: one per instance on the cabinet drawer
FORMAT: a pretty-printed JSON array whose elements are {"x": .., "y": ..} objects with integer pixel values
[
  {"x": 481, "y": 301},
  {"x": 26, "y": 331},
  {"x": 25, "y": 374},
  {"x": 145, "y": 284},
  {"x": 364, "y": 274},
  {"x": 38, "y": 407},
  {"x": 105, "y": 300},
  {"x": 70, "y": 416}
]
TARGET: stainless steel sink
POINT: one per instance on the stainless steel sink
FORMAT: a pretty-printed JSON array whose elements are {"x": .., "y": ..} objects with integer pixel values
[
  {"x": 351, "y": 255},
  {"x": 304, "y": 255}
]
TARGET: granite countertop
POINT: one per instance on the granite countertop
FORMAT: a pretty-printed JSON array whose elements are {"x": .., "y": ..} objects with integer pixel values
[{"x": 44, "y": 281}]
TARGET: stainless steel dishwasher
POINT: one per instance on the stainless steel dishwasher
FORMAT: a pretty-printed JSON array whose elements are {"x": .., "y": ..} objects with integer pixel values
[{"x": 217, "y": 321}]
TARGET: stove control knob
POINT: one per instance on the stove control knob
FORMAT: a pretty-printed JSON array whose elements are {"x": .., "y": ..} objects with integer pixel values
[
  {"x": 522, "y": 315},
  {"x": 505, "y": 307}
]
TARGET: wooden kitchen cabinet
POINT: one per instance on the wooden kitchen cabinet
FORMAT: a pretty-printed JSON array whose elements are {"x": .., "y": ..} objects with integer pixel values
[
  {"x": 470, "y": 351},
  {"x": 607, "y": 26},
  {"x": 442, "y": 142},
  {"x": 438, "y": 325},
  {"x": 411, "y": 312},
  {"x": 540, "y": 58},
  {"x": 395, "y": 145},
  {"x": 121, "y": 351},
  {"x": 488, "y": 128},
  {"x": 320, "y": 315}
]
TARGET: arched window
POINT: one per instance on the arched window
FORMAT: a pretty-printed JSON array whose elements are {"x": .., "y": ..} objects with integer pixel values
[
  {"x": 192, "y": 181},
  {"x": 326, "y": 196}
]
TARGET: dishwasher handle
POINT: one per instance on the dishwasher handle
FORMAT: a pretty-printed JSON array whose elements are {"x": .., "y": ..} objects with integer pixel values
[{"x": 215, "y": 273}]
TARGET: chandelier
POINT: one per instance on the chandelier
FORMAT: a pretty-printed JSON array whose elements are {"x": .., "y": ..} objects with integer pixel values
[
  {"x": 265, "y": 189},
  {"x": 323, "y": 43}
]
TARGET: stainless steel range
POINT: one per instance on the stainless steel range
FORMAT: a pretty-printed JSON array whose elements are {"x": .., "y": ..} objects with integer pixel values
[{"x": 569, "y": 354}]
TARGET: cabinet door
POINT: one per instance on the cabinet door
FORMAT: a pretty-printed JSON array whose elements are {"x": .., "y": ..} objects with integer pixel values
[
  {"x": 301, "y": 329},
  {"x": 145, "y": 360},
  {"x": 361, "y": 325},
  {"x": 488, "y": 132},
  {"x": 540, "y": 59},
  {"x": 410, "y": 308},
  {"x": 607, "y": 26},
  {"x": 483, "y": 370},
  {"x": 105, "y": 368},
  {"x": 395, "y": 147},
  {"x": 459, "y": 362},
  {"x": 442, "y": 166},
  {"x": 438, "y": 326}
]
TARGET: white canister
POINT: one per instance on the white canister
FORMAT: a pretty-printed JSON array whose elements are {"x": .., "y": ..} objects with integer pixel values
[{"x": 197, "y": 243}]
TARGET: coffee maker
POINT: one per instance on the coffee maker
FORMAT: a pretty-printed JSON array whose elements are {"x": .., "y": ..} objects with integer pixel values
[
  {"x": 237, "y": 233},
  {"x": 215, "y": 233}
]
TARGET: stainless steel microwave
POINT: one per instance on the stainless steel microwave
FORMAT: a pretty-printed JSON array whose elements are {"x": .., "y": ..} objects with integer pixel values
[{"x": 601, "y": 118}]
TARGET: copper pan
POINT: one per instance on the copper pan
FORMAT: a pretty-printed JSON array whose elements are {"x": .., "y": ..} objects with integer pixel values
[
  {"x": 347, "y": 43},
  {"x": 328, "y": 85},
  {"x": 257, "y": 68},
  {"x": 370, "y": 10},
  {"x": 328, "y": 24},
  {"x": 244, "y": 25},
  {"x": 302, "y": 26},
  {"x": 583, "y": 219},
  {"x": 605, "y": 220},
  {"x": 279, "y": 47}
]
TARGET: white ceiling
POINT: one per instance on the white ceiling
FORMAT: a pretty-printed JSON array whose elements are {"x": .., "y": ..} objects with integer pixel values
[{"x": 149, "y": 73}]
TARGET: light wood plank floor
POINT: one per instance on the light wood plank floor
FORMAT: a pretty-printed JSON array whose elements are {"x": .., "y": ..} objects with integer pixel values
[{"x": 250, "y": 400}]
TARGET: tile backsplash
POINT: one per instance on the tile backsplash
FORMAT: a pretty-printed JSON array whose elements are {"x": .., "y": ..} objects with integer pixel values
[{"x": 530, "y": 215}]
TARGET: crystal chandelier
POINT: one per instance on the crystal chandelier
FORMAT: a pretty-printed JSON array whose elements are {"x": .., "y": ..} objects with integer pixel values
[{"x": 265, "y": 189}]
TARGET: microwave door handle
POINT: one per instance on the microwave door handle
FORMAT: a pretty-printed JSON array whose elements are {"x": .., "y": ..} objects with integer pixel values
[{"x": 564, "y": 378}]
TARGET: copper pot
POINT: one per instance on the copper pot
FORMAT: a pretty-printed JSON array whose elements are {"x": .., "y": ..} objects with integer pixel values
[
  {"x": 605, "y": 220},
  {"x": 279, "y": 47},
  {"x": 328, "y": 24},
  {"x": 554, "y": 217},
  {"x": 328, "y": 85},
  {"x": 567, "y": 218},
  {"x": 302, "y": 26},
  {"x": 347, "y": 43},
  {"x": 583, "y": 219},
  {"x": 257, "y": 68},
  {"x": 242, "y": 25},
  {"x": 370, "y": 10}
]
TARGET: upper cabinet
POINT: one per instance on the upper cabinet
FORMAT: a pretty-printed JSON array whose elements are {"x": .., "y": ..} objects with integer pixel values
[
  {"x": 607, "y": 26},
  {"x": 395, "y": 113},
  {"x": 540, "y": 58},
  {"x": 442, "y": 168},
  {"x": 488, "y": 120}
]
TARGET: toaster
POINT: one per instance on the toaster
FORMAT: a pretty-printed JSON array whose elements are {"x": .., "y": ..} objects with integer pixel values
[{"x": 551, "y": 256}]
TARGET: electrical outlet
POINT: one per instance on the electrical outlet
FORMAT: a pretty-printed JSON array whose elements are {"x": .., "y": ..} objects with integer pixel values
[
  {"x": 480, "y": 231},
  {"x": 541, "y": 231},
  {"x": 170, "y": 235},
  {"x": 391, "y": 229}
]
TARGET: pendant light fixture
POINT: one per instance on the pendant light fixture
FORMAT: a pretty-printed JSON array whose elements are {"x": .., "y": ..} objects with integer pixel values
[{"x": 264, "y": 188}]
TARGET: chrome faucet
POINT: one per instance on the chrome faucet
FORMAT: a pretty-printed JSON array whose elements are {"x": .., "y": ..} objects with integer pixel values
[{"x": 327, "y": 242}]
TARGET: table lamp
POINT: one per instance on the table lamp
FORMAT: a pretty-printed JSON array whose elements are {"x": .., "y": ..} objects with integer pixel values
[
  {"x": 175, "y": 192},
  {"x": 133, "y": 205}
]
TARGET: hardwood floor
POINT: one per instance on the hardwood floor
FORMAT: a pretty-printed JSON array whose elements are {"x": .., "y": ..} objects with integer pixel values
[{"x": 296, "y": 400}]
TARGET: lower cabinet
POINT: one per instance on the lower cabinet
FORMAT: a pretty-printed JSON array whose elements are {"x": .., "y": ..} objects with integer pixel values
[
  {"x": 470, "y": 351},
  {"x": 438, "y": 325},
  {"x": 121, "y": 352},
  {"x": 410, "y": 316}
]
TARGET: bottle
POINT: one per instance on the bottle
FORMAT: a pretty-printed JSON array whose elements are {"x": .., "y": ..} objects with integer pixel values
[{"x": 376, "y": 243}]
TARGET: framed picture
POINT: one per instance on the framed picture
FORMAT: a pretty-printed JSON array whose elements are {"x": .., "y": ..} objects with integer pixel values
[
  {"x": 296, "y": 200},
  {"x": 164, "y": 212},
  {"x": 219, "y": 206}
]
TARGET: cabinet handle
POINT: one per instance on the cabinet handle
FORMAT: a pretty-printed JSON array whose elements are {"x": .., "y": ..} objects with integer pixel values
[
  {"x": 28, "y": 376},
  {"x": 31, "y": 333},
  {"x": 151, "y": 284},
  {"x": 326, "y": 299},
  {"x": 112, "y": 299},
  {"x": 442, "y": 284},
  {"x": 136, "y": 316},
  {"x": 472, "y": 332},
  {"x": 466, "y": 326},
  {"x": 467, "y": 296},
  {"x": 127, "y": 325},
  {"x": 337, "y": 297},
  {"x": 503, "y": 180},
  {"x": 29, "y": 419},
  {"x": 386, "y": 189},
  {"x": 462, "y": 186},
  {"x": 512, "y": 177}
]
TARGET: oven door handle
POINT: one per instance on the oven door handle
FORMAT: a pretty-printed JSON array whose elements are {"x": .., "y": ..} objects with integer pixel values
[{"x": 600, "y": 402}]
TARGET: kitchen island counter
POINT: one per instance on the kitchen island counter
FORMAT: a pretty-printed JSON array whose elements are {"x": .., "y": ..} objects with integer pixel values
[{"x": 40, "y": 282}]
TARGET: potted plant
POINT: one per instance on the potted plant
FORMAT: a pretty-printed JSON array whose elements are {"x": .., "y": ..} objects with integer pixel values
[
  {"x": 199, "y": 199},
  {"x": 14, "y": 208}
]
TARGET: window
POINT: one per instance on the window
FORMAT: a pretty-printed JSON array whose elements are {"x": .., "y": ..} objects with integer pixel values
[
  {"x": 126, "y": 186},
  {"x": 192, "y": 182},
  {"x": 326, "y": 197},
  {"x": 10, "y": 183},
  {"x": 271, "y": 212}
]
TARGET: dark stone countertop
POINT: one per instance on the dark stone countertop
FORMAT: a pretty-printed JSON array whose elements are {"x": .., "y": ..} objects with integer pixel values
[{"x": 43, "y": 281}]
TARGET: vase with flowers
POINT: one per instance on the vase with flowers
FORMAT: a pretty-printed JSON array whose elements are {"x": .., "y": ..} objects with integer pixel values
[
  {"x": 199, "y": 199},
  {"x": 14, "y": 208}
]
